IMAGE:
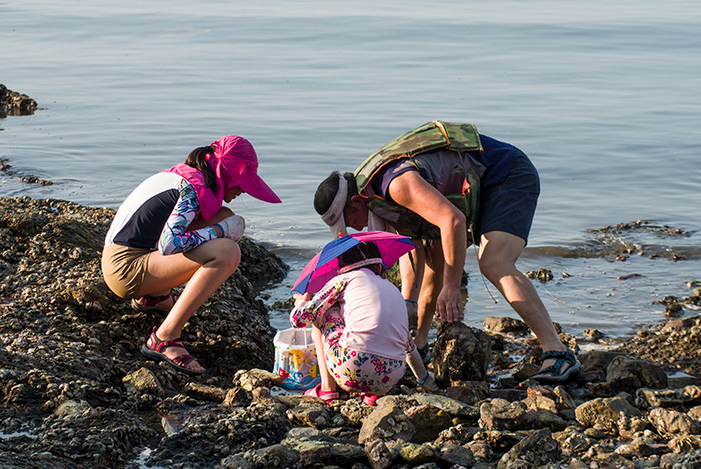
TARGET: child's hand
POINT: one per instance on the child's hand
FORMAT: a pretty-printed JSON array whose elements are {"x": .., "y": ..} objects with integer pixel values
[
  {"x": 430, "y": 383},
  {"x": 301, "y": 299}
]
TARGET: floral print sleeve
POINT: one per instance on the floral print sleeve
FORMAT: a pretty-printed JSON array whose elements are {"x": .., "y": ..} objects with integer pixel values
[
  {"x": 175, "y": 236},
  {"x": 306, "y": 313}
]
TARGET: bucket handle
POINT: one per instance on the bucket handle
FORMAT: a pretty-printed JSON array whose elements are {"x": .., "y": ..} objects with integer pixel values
[{"x": 302, "y": 330}]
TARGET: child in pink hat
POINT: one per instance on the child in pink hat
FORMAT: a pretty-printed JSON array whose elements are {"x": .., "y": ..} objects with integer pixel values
[
  {"x": 360, "y": 330},
  {"x": 173, "y": 229}
]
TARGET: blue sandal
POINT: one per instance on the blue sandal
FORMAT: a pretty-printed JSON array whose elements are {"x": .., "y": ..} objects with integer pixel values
[{"x": 554, "y": 374}]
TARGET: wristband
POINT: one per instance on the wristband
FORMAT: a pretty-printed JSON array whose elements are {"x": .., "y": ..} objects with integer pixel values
[
  {"x": 411, "y": 301},
  {"x": 420, "y": 383},
  {"x": 223, "y": 233}
]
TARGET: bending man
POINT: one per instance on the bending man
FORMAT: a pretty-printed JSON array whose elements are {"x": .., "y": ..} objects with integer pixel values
[{"x": 447, "y": 186}]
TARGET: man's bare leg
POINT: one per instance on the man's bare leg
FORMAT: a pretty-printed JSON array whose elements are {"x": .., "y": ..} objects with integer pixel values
[{"x": 497, "y": 258}]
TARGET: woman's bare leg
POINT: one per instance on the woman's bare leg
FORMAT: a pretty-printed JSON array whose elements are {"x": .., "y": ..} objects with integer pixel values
[
  {"x": 204, "y": 268},
  {"x": 196, "y": 224}
]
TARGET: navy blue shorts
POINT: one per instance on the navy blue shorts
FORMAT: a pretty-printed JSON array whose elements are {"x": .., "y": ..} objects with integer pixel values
[{"x": 510, "y": 206}]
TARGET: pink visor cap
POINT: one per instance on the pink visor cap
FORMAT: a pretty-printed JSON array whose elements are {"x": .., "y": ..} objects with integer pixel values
[{"x": 235, "y": 164}]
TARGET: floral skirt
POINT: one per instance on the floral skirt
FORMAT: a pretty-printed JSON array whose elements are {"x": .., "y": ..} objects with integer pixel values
[{"x": 357, "y": 371}]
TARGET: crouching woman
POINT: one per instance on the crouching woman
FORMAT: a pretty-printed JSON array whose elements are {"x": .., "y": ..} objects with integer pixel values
[{"x": 173, "y": 229}]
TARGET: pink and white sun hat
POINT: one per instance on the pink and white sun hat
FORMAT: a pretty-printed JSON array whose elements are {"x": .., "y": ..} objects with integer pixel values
[{"x": 235, "y": 163}]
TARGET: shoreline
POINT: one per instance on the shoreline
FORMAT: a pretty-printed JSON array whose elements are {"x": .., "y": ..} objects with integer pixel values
[{"x": 75, "y": 391}]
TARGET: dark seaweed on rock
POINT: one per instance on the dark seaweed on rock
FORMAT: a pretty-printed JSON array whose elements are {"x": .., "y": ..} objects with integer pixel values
[
  {"x": 619, "y": 242},
  {"x": 29, "y": 179},
  {"x": 15, "y": 104},
  {"x": 645, "y": 226}
]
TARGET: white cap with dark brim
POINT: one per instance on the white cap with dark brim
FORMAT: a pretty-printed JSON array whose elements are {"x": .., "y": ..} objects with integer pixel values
[{"x": 334, "y": 215}]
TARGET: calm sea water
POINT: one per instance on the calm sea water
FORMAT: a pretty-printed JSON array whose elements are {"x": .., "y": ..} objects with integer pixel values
[{"x": 602, "y": 96}]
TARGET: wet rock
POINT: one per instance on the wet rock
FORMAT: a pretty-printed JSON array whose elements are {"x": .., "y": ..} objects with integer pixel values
[
  {"x": 539, "y": 399},
  {"x": 631, "y": 427},
  {"x": 610, "y": 460},
  {"x": 378, "y": 454},
  {"x": 428, "y": 421},
  {"x": 690, "y": 461},
  {"x": 542, "y": 275},
  {"x": 500, "y": 415},
  {"x": 468, "y": 392},
  {"x": 690, "y": 394},
  {"x": 72, "y": 408},
  {"x": 594, "y": 335},
  {"x": 15, "y": 104},
  {"x": 625, "y": 374},
  {"x": 459, "y": 434},
  {"x": 142, "y": 381},
  {"x": 204, "y": 392},
  {"x": 236, "y": 461},
  {"x": 66, "y": 344},
  {"x": 345, "y": 455},
  {"x": 452, "y": 455},
  {"x": 387, "y": 421},
  {"x": 218, "y": 433},
  {"x": 641, "y": 447},
  {"x": 453, "y": 407},
  {"x": 676, "y": 347},
  {"x": 303, "y": 433},
  {"x": 597, "y": 360},
  {"x": 274, "y": 457},
  {"x": 93, "y": 438},
  {"x": 262, "y": 395},
  {"x": 695, "y": 413},
  {"x": 311, "y": 414},
  {"x": 461, "y": 353},
  {"x": 573, "y": 441},
  {"x": 237, "y": 396},
  {"x": 605, "y": 411},
  {"x": 313, "y": 453},
  {"x": 563, "y": 399},
  {"x": 505, "y": 325},
  {"x": 685, "y": 443},
  {"x": 355, "y": 411},
  {"x": 481, "y": 451},
  {"x": 544, "y": 418},
  {"x": 537, "y": 449},
  {"x": 647, "y": 398},
  {"x": 416, "y": 454},
  {"x": 253, "y": 378},
  {"x": 671, "y": 423},
  {"x": 499, "y": 441}
]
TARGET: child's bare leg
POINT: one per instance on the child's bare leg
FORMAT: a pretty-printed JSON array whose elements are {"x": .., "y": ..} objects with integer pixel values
[{"x": 328, "y": 384}]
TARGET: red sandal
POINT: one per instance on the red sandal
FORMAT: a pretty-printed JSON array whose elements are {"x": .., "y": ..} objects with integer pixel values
[
  {"x": 316, "y": 391},
  {"x": 150, "y": 303},
  {"x": 157, "y": 346},
  {"x": 369, "y": 399}
]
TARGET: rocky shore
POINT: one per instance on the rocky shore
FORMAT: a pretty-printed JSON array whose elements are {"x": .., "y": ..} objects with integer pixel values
[{"x": 75, "y": 392}]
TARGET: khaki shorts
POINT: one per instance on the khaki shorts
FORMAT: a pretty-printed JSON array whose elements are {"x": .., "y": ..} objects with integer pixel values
[{"x": 124, "y": 269}]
